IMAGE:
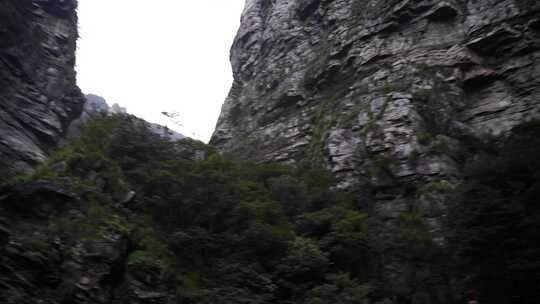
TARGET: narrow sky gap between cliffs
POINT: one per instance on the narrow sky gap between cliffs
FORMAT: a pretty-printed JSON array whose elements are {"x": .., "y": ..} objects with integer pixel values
[{"x": 164, "y": 55}]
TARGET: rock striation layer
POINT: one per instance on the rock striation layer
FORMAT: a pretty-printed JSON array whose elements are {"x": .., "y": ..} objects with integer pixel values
[
  {"x": 392, "y": 96},
  {"x": 38, "y": 94},
  {"x": 383, "y": 93}
]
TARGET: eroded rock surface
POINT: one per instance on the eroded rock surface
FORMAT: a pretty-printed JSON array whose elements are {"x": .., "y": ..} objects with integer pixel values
[
  {"x": 384, "y": 93},
  {"x": 392, "y": 96},
  {"x": 38, "y": 94}
]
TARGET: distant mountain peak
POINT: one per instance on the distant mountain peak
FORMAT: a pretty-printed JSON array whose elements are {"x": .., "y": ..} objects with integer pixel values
[{"x": 96, "y": 105}]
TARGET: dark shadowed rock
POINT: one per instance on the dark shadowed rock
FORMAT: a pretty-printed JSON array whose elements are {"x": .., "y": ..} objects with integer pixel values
[
  {"x": 44, "y": 260},
  {"x": 37, "y": 199},
  {"x": 38, "y": 95}
]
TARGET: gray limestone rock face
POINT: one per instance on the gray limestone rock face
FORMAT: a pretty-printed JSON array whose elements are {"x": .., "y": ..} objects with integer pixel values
[
  {"x": 389, "y": 95},
  {"x": 38, "y": 94},
  {"x": 358, "y": 86}
]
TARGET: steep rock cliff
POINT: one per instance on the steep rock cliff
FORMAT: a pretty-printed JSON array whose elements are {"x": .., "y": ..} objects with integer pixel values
[
  {"x": 393, "y": 97},
  {"x": 383, "y": 93},
  {"x": 38, "y": 94}
]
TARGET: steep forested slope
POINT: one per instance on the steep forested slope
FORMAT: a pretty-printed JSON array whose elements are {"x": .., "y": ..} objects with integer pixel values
[{"x": 125, "y": 216}]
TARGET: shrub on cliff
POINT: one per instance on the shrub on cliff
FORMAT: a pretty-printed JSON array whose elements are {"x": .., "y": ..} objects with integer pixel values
[
  {"x": 213, "y": 212},
  {"x": 223, "y": 231}
]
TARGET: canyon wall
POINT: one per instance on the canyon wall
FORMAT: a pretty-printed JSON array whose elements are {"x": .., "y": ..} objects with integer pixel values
[
  {"x": 38, "y": 92},
  {"x": 384, "y": 93},
  {"x": 392, "y": 96}
]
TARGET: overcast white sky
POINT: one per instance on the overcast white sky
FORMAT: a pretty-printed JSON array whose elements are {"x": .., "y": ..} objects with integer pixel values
[{"x": 160, "y": 55}]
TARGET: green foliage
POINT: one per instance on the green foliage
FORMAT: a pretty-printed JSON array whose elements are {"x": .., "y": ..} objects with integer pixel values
[
  {"x": 232, "y": 232},
  {"x": 341, "y": 233},
  {"x": 143, "y": 259},
  {"x": 440, "y": 145},
  {"x": 151, "y": 251},
  {"x": 339, "y": 288},
  {"x": 241, "y": 283},
  {"x": 291, "y": 191},
  {"x": 208, "y": 213},
  {"x": 106, "y": 220},
  {"x": 413, "y": 237},
  {"x": 100, "y": 221},
  {"x": 304, "y": 260},
  {"x": 442, "y": 187},
  {"x": 496, "y": 219},
  {"x": 64, "y": 154},
  {"x": 75, "y": 227},
  {"x": 228, "y": 232},
  {"x": 21, "y": 179}
]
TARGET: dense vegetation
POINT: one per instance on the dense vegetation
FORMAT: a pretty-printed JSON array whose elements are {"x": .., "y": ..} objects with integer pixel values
[
  {"x": 240, "y": 233},
  {"x": 496, "y": 219},
  {"x": 223, "y": 232}
]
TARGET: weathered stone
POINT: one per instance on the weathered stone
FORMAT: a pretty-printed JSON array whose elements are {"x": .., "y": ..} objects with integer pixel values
[
  {"x": 389, "y": 74},
  {"x": 129, "y": 197},
  {"x": 38, "y": 95},
  {"x": 389, "y": 95}
]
